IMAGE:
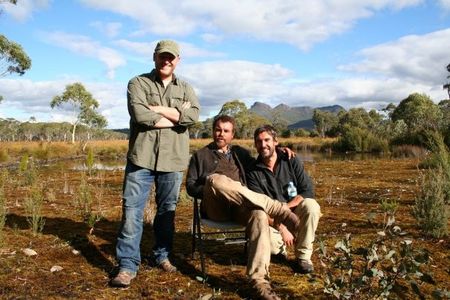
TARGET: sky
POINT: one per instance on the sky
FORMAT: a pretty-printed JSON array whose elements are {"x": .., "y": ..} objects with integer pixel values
[{"x": 353, "y": 53}]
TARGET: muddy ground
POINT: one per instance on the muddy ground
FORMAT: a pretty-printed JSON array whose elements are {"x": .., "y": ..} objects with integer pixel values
[{"x": 346, "y": 189}]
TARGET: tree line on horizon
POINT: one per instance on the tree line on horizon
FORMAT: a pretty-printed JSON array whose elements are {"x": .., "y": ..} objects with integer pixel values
[{"x": 411, "y": 122}]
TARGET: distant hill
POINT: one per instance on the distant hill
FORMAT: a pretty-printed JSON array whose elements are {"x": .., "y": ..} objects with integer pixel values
[
  {"x": 296, "y": 117},
  {"x": 122, "y": 130}
]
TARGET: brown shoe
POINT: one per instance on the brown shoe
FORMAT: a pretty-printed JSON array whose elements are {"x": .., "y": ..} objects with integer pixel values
[
  {"x": 264, "y": 290},
  {"x": 166, "y": 266},
  {"x": 123, "y": 279},
  {"x": 305, "y": 266}
]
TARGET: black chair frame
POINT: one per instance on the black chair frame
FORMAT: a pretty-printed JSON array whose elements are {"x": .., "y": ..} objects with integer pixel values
[{"x": 232, "y": 233}]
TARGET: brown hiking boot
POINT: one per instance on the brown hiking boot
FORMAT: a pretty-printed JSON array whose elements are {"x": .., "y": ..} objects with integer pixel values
[
  {"x": 123, "y": 279},
  {"x": 167, "y": 266},
  {"x": 264, "y": 290},
  {"x": 305, "y": 266}
]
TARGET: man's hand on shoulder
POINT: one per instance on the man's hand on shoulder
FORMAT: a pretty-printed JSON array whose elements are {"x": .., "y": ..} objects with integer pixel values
[{"x": 290, "y": 154}]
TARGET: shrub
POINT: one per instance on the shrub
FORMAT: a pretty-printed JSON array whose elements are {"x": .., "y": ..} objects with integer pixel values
[
  {"x": 90, "y": 160},
  {"x": 84, "y": 199},
  {"x": 405, "y": 151},
  {"x": 23, "y": 164},
  {"x": 430, "y": 209},
  {"x": 33, "y": 209},
  {"x": 372, "y": 271},
  {"x": 85, "y": 203},
  {"x": 301, "y": 132},
  {"x": 360, "y": 140}
]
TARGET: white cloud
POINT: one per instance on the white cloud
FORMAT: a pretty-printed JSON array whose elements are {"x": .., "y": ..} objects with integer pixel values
[
  {"x": 24, "y": 9},
  {"x": 85, "y": 46},
  {"x": 212, "y": 38},
  {"x": 220, "y": 81},
  {"x": 111, "y": 29},
  {"x": 411, "y": 58},
  {"x": 299, "y": 23},
  {"x": 28, "y": 98},
  {"x": 445, "y": 4},
  {"x": 146, "y": 49}
]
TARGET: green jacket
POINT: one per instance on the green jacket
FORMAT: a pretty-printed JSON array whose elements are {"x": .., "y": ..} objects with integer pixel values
[{"x": 167, "y": 149}]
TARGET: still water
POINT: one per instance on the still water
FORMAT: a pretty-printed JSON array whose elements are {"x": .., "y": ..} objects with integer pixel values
[{"x": 306, "y": 156}]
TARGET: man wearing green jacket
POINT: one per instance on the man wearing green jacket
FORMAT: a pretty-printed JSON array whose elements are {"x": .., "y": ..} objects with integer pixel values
[{"x": 161, "y": 107}]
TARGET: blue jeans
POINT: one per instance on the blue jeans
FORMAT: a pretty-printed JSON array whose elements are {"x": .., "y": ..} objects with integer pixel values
[{"x": 136, "y": 188}]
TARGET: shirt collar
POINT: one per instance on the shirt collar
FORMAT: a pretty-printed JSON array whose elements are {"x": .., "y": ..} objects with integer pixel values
[{"x": 154, "y": 77}]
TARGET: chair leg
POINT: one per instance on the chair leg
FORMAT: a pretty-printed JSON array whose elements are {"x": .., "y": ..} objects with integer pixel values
[
  {"x": 202, "y": 256},
  {"x": 197, "y": 234}
]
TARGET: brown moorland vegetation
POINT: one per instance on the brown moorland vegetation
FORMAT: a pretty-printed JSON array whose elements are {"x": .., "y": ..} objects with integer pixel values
[{"x": 75, "y": 256}]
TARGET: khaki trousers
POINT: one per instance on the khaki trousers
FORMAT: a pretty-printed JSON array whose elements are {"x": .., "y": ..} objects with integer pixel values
[
  {"x": 226, "y": 199},
  {"x": 309, "y": 214}
]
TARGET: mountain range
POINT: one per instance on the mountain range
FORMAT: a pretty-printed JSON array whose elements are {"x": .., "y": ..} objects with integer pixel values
[{"x": 296, "y": 117}]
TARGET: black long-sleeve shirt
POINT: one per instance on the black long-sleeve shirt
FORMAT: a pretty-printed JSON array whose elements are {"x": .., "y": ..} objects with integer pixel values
[{"x": 260, "y": 179}]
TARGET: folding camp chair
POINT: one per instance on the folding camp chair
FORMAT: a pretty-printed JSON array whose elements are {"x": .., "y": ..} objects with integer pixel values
[{"x": 225, "y": 232}]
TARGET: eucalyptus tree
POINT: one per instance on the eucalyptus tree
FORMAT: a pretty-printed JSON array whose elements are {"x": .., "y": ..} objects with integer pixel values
[
  {"x": 324, "y": 121},
  {"x": 246, "y": 121},
  {"x": 13, "y": 59},
  {"x": 419, "y": 113},
  {"x": 82, "y": 105}
]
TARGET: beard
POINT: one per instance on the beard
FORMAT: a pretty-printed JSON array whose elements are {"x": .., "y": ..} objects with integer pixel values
[
  {"x": 267, "y": 152},
  {"x": 220, "y": 142}
]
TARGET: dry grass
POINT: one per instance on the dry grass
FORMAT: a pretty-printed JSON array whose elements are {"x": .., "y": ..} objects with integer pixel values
[{"x": 346, "y": 190}]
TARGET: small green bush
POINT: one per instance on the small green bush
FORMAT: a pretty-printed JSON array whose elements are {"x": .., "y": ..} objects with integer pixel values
[
  {"x": 33, "y": 209},
  {"x": 90, "y": 160},
  {"x": 360, "y": 140},
  {"x": 430, "y": 209},
  {"x": 84, "y": 199},
  {"x": 23, "y": 164},
  {"x": 85, "y": 203}
]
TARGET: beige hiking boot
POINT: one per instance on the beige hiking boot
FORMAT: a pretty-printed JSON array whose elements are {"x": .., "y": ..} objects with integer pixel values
[{"x": 123, "y": 279}]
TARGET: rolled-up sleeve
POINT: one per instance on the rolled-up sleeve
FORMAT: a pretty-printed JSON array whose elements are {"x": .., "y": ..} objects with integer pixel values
[{"x": 138, "y": 106}]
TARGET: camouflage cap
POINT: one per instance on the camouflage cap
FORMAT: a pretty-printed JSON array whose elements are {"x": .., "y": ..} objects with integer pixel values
[{"x": 167, "y": 46}]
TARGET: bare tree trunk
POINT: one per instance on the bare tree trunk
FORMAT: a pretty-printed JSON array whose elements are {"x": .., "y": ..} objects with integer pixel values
[{"x": 73, "y": 133}]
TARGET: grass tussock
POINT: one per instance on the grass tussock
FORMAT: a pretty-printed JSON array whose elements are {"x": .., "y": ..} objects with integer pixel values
[{"x": 409, "y": 151}]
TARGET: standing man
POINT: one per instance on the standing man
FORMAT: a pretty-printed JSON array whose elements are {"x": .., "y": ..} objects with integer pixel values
[
  {"x": 285, "y": 179},
  {"x": 216, "y": 174},
  {"x": 161, "y": 107}
]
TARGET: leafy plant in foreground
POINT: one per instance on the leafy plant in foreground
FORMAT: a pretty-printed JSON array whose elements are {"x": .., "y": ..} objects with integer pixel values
[{"x": 372, "y": 272}]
